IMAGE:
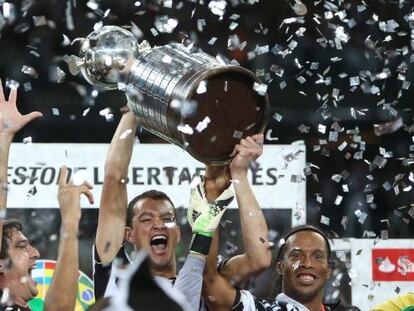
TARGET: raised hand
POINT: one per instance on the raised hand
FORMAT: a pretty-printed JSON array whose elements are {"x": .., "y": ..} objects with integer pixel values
[
  {"x": 204, "y": 216},
  {"x": 63, "y": 289},
  {"x": 69, "y": 198},
  {"x": 249, "y": 149},
  {"x": 11, "y": 120}
]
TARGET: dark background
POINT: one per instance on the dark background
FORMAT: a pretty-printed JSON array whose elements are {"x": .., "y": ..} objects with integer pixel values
[{"x": 313, "y": 70}]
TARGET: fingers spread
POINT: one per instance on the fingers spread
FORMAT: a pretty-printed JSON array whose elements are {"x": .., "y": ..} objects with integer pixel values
[
  {"x": 88, "y": 194},
  {"x": 88, "y": 185},
  {"x": 13, "y": 96},
  {"x": 33, "y": 115},
  {"x": 2, "y": 99}
]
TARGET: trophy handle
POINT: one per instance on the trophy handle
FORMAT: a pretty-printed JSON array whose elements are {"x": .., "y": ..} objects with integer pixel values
[
  {"x": 74, "y": 63},
  {"x": 76, "y": 40}
]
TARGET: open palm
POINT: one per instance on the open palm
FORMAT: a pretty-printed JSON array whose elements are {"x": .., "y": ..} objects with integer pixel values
[{"x": 11, "y": 120}]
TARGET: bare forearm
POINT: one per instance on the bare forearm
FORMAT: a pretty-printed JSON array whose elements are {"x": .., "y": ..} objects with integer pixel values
[
  {"x": 253, "y": 225},
  {"x": 5, "y": 142},
  {"x": 120, "y": 150},
  {"x": 114, "y": 199},
  {"x": 218, "y": 293},
  {"x": 210, "y": 270},
  {"x": 61, "y": 295}
]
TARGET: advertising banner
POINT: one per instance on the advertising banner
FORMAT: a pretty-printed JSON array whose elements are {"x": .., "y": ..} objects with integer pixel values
[
  {"x": 381, "y": 269},
  {"x": 277, "y": 178}
]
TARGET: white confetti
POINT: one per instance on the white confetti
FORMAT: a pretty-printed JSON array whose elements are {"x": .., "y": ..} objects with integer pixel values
[
  {"x": 86, "y": 111},
  {"x": 260, "y": 88},
  {"x": 39, "y": 20},
  {"x": 269, "y": 136},
  {"x": 202, "y": 125},
  {"x": 93, "y": 5},
  {"x": 325, "y": 220},
  {"x": 212, "y": 40},
  {"x": 322, "y": 128},
  {"x": 165, "y": 24},
  {"x": 299, "y": 7},
  {"x": 237, "y": 134},
  {"x": 107, "y": 113},
  {"x": 354, "y": 81},
  {"x": 338, "y": 200},
  {"x": 27, "y": 140},
  {"x": 202, "y": 87},
  {"x": 278, "y": 117},
  {"x": 186, "y": 129},
  {"x": 217, "y": 7},
  {"x": 30, "y": 71},
  {"x": 342, "y": 146}
]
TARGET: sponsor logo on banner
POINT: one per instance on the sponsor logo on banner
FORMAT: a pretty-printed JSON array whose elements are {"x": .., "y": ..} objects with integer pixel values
[{"x": 393, "y": 264}]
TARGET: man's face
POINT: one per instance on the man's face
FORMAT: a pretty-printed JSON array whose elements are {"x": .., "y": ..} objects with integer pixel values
[
  {"x": 304, "y": 266},
  {"x": 17, "y": 268},
  {"x": 154, "y": 228}
]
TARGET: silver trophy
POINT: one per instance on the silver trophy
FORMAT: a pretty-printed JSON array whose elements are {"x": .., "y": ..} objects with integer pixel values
[{"x": 188, "y": 98}]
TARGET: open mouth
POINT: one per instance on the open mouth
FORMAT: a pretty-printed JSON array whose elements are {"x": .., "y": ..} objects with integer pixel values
[
  {"x": 159, "y": 244},
  {"x": 306, "y": 278},
  {"x": 31, "y": 268},
  {"x": 30, "y": 275}
]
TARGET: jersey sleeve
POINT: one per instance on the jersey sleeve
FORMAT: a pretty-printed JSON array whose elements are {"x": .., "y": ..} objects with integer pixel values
[{"x": 190, "y": 280}]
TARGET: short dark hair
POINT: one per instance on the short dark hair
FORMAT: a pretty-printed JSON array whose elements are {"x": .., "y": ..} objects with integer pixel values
[
  {"x": 295, "y": 230},
  {"x": 151, "y": 194},
  {"x": 8, "y": 226}
]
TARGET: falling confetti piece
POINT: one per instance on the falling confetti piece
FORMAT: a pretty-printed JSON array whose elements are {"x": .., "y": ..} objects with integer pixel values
[
  {"x": 30, "y": 71},
  {"x": 260, "y": 88},
  {"x": 325, "y": 220},
  {"x": 202, "y": 87},
  {"x": 202, "y": 125},
  {"x": 165, "y": 24},
  {"x": 27, "y": 140},
  {"x": 269, "y": 136},
  {"x": 186, "y": 129}
]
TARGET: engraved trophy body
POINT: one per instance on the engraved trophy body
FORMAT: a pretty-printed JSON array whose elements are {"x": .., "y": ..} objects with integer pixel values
[{"x": 187, "y": 98}]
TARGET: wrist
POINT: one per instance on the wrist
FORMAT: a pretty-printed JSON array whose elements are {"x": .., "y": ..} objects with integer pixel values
[
  {"x": 208, "y": 234},
  {"x": 66, "y": 235},
  {"x": 70, "y": 226},
  {"x": 239, "y": 176},
  {"x": 200, "y": 244},
  {"x": 6, "y": 137},
  {"x": 198, "y": 255}
]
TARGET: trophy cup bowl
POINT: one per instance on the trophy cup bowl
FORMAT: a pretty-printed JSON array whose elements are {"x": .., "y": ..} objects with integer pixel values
[
  {"x": 183, "y": 96},
  {"x": 105, "y": 54}
]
